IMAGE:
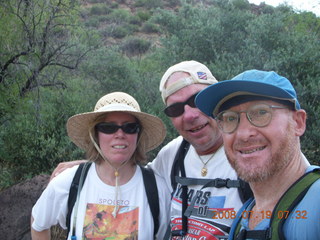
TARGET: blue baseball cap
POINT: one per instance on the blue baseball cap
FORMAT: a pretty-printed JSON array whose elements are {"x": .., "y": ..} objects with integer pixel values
[{"x": 249, "y": 83}]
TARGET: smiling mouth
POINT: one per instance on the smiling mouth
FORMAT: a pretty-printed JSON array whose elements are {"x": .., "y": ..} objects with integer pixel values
[
  {"x": 119, "y": 146},
  {"x": 252, "y": 150},
  {"x": 198, "y": 128}
]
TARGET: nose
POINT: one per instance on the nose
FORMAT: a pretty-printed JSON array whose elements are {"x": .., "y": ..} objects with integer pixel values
[
  {"x": 119, "y": 133},
  {"x": 245, "y": 129},
  {"x": 190, "y": 113}
]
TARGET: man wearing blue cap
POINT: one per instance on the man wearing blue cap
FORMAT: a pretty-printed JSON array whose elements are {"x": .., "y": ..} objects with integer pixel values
[{"x": 261, "y": 121}]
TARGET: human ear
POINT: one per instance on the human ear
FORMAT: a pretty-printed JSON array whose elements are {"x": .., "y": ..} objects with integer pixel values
[{"x": 300, "y": 118}]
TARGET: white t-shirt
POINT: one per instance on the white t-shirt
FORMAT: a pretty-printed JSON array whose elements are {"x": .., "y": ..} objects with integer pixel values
[
  {"x": 97, "y": 202},
  {"x": 209, "y": 199}
]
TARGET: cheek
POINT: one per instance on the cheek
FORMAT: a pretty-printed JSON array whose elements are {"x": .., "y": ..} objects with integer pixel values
[
  {"x": 227, "y": 141},
  {"x": 103, "y": 138},
  {"x": 176, "y": 122}
]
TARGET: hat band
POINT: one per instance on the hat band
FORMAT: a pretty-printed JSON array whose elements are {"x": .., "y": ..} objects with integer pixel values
[{"x": 116, "y": 107}]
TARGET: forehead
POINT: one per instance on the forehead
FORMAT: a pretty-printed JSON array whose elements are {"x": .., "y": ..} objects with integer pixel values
[
  {"x": 119, "y": 117},
  {"x": 248, "y": 104}
]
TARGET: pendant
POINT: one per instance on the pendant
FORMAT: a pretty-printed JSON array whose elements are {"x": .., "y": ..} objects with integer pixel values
[{"x": 204, "y": 172}]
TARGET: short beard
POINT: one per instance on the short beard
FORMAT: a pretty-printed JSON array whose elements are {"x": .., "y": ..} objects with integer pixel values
[{"x": 275, "y": 165}]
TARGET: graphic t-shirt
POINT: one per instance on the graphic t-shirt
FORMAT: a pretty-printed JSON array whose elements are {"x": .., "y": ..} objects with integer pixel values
[
  {"x": 96, "y": 218},
  {"x": 215, "y": 208}
]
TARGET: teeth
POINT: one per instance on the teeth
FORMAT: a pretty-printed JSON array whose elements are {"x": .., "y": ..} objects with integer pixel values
[
  {"x": 198, "y": 128},
  {"x": 119, "y": 146},
  {"x": 253, "y": 150}
]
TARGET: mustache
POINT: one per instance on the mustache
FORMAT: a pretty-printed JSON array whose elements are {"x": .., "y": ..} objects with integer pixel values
[{"x": 248, "y": 143}]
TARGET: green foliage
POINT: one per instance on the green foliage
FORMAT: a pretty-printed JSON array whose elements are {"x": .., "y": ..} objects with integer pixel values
[
  {"x": 52, "y": 68},
  {"x": 100, "y": 9},
  {"x": 119, "y": 31},
  {"x": 143, "y": 15},
  {"x": 150, "y": 27},
  {"x": 135, "y": 46},
  {"x": 35, "y": 139},
  {"x": 120, "y": 16},
  {"x": 149, "y": 4}
]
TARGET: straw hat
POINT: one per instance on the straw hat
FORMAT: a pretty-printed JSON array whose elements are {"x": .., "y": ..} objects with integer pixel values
[{"x": 153, "y": 130}]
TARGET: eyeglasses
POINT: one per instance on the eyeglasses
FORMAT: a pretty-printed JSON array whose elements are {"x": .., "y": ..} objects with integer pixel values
[
  {"x": 110, "y": 128},
  {"x": 259, "y": 115},
  {"x": 177, "y": 109}
]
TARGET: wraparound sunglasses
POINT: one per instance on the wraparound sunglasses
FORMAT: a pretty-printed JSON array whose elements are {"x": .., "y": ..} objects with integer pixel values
[
  {"x": 177, "y": 109},
  {"x": 110, "y": 128}
]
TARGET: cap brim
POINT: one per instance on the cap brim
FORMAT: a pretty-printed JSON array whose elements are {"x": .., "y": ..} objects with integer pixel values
[{"x": 211, "y": 98}]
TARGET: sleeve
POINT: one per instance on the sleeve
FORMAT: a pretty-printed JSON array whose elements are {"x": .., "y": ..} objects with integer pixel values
[
  {"x": 163, "y": 162},
  {"x": 51, "y": 208},
  {"x": 164, "y": 205}
]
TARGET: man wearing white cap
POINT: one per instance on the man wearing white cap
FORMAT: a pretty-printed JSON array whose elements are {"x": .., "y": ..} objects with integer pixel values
[{"x": 194, "y": 164}]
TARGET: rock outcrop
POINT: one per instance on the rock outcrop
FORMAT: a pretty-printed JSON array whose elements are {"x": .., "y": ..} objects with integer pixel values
[{"x": 15, "y": 206}]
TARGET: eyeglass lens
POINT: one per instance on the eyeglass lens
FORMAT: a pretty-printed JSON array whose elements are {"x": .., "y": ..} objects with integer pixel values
[
  {"x": 258, "y": 115},
  {"x": 110, "y": 128},
  {"x": 177, "y": 109}
]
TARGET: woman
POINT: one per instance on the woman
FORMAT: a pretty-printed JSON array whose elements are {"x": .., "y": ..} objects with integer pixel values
[{"x": 113, "y": 201}]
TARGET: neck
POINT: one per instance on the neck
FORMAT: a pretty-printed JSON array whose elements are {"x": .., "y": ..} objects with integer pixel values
[
  {"x": 108, "y": 174},
  {"x": 212, "y": 149},
  {"x": 268, "y": 192}
]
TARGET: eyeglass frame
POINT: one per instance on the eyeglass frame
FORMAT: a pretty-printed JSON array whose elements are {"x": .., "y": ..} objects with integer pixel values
[
  {"x": 123, "y": 127},
  {"x": 190, "y": 102},
  {"x": 247, "y": 116}
]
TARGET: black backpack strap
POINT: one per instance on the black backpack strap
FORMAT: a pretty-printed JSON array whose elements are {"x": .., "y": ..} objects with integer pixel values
[
  {"x": 254, "y": 234},
  {"x": 245, "y": 191},
  {"x": 181, "y": 153},
  {"x": 178, "y": 166},
  {"x": 74, "y": 190},
  {"x": 151, "y": 188},
  {"x": 207, "y": 182}
]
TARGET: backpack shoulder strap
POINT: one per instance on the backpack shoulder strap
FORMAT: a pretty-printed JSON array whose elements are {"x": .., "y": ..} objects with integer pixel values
[
  {"x": 74, "y": 190},
  {"x": 245, "y": 191},
  {"x": 290, "y": 200},
  {"x": 287, "y": 203},
  {"x": 178, "y": 163},
  {"x": 235, "y": 227},
  {"x": 151, "y": 188}
]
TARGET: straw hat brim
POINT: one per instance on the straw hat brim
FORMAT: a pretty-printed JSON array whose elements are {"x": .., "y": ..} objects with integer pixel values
[{"x": 151, "y": 136}]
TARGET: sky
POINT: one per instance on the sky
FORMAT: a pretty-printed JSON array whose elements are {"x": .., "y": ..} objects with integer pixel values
[{"x": 304, "y": 5}]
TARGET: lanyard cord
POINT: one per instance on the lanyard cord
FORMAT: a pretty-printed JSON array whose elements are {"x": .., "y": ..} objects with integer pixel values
[{"x": 116, "y": 174}]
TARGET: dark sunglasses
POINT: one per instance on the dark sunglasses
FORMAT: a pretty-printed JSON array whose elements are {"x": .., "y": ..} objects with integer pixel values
[
  {"x": 177, "y": 109},
  {"x": 109, "y": 128}
]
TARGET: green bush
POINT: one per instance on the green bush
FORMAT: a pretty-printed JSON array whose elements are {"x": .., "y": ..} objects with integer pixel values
[
  {"x": 119, "y": 31},
  {"x": 100, "y": 9},
  {"x": 135, "y": 46},
  {"x": 119, "y": 16},
  {"x": 135, "y": 20},
  {"x": 149, "y": 27},
  {"x": 92, "y": 22},
  {"x": 143, "y": 15},
  {"x": 149, "y": 4}
]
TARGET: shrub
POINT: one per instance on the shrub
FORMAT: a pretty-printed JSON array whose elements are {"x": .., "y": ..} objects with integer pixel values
[
  {"x": 135, "y": 46},
  {"x": 100, "y": 9},
  {"x": 143, "y": 15},
  {"x": 149, "y": 27}
]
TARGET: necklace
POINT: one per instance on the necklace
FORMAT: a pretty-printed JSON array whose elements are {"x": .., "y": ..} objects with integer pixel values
[{"x": 204, "y": 169}]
